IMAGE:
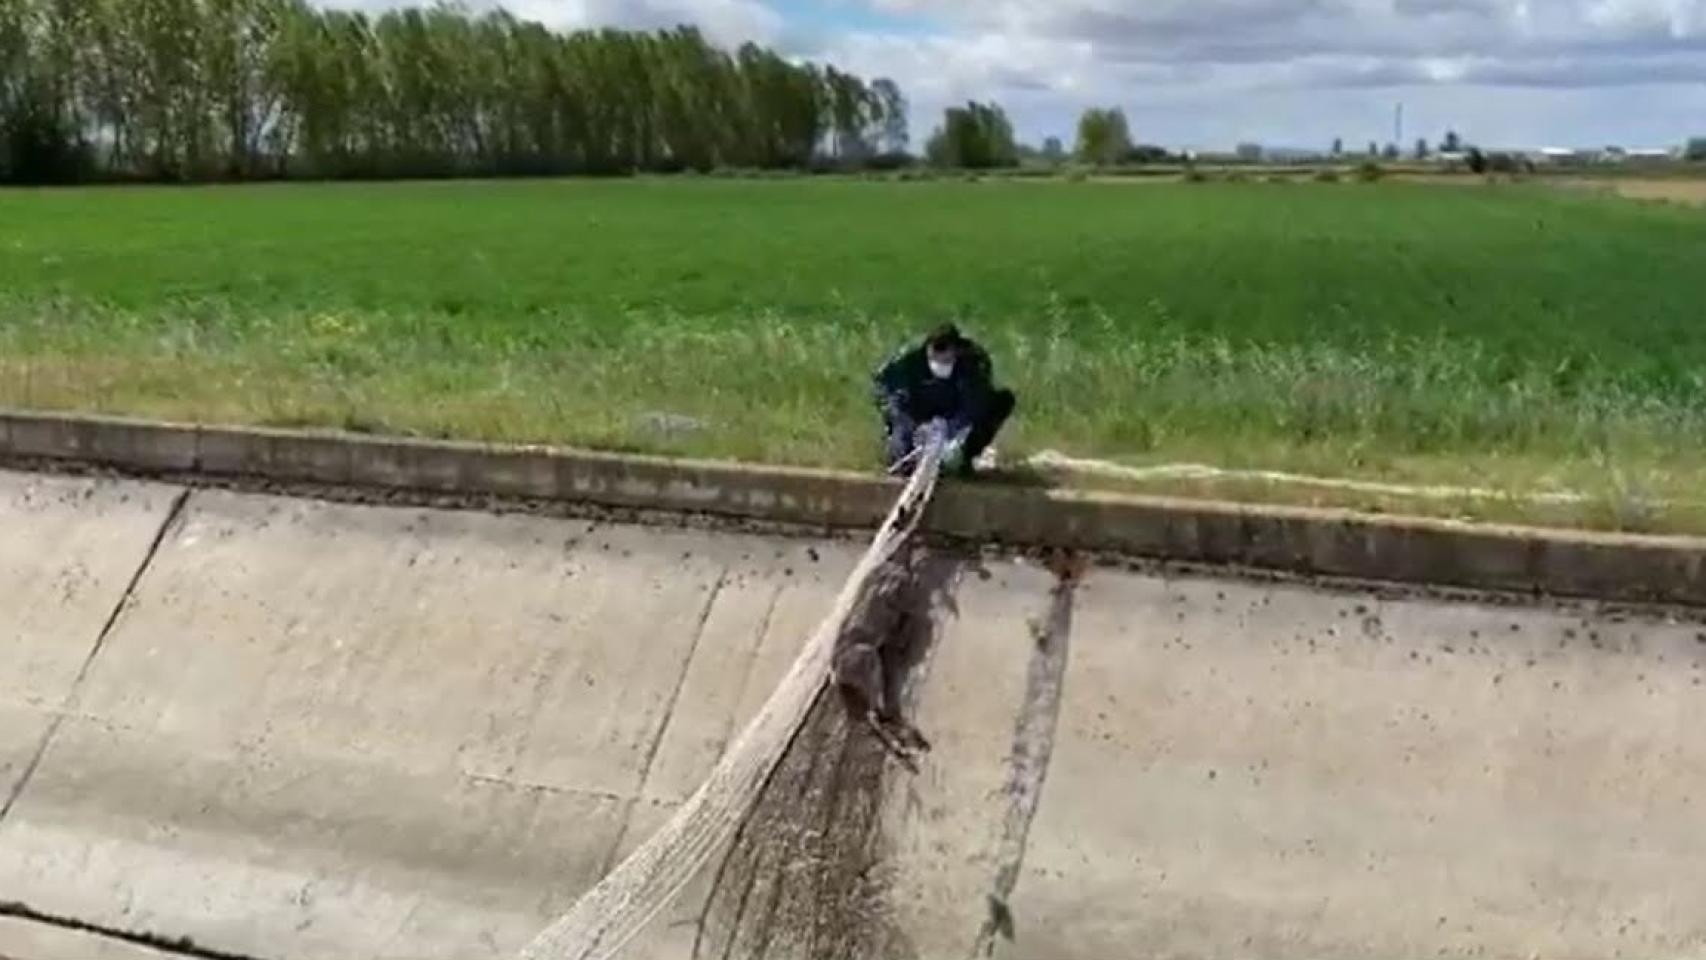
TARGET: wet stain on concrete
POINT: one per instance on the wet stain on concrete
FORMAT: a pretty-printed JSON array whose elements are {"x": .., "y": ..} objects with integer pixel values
[{"x": 1033, "y": 748}]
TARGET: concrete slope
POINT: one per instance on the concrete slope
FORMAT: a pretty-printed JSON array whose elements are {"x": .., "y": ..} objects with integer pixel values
[
  {"x": 68, "y": 552},
  {"x": 292, "y": 729}
]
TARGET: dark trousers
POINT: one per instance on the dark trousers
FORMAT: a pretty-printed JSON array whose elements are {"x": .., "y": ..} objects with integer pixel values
[{"x": 901, "y": 427}]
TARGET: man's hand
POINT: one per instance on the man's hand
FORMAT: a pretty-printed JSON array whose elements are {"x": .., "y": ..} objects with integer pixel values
[
  {"x": 954, "y": 448},
  {"x": 954, "y": 438},
  {"x": 939, "y": 431},
  {"x": 893, "y": 404}
]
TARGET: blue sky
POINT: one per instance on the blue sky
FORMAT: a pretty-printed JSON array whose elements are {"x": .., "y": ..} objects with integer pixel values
[
  {"x": 846, "y": 16},
  {"x": 1209, "y": 73}
]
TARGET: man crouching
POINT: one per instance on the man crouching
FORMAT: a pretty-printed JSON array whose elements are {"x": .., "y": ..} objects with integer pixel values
[{"x": 950, "y": 378}]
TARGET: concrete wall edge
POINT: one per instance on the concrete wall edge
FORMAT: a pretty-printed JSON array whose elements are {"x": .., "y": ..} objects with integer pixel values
[{"x": 1292, "y": 540}]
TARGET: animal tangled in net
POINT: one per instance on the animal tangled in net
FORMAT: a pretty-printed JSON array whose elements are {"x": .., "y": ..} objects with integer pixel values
[
  {"x": 874, "y": 653},
  {"x": 808, "y": 872}
]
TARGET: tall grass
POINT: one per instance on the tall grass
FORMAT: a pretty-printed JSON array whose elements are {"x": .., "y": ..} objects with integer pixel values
[
  {"x": 765, "y": 387},
  {"x": 1490, "y": 337}
]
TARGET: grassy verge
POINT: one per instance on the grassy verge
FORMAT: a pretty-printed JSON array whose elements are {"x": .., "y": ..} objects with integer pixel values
[{"x": 1502, "y": 338}]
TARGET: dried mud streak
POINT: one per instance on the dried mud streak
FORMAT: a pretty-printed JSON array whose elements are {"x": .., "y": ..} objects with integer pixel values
[
  {"x": 1033, "y": 750},
  {"x": 804, "y": 877},
  {"x": 173, "y": 514}
]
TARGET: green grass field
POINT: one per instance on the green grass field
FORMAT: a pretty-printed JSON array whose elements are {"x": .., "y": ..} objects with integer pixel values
[{"x": 1515, "y": 336}]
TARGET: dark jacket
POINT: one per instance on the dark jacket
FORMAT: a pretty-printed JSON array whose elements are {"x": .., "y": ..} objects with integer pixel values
[{"x": 905, "y": 385}]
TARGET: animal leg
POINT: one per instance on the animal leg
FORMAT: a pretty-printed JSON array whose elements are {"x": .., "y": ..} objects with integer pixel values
[{"x": 892, "y": 743}]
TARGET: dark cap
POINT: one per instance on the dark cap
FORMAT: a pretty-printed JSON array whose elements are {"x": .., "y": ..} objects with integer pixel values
[{"x": 945, "y": 337}]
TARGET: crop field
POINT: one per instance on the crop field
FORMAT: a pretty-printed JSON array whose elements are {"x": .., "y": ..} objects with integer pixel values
[
  {"x": 1690, "y": 190},
  {"x": 1516, "y": 337}
]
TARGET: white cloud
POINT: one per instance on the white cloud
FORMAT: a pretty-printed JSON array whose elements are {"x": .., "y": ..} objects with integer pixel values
[
  {"x": 1680, "y": 18},
  {"x": 1190, "y": 70},
  {"x": 1215, "y": 71},
  {"x": 728, "y": 22}
]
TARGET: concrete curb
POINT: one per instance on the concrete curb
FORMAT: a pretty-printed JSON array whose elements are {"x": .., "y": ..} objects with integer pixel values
[{"x": 1285, "y": 539}]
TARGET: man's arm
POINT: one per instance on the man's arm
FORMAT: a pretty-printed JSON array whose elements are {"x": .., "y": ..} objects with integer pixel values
[
  {"x": 979, "y": 383},
  {"x": 891, "y": 385}
]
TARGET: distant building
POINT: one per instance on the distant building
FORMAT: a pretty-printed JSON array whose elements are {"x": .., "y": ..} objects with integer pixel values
[
  {"x": 1614, "y": 155},
  {"x": 1560, "y": 157},
  {"x": 1209, "y": 157},
  {"x": 1567, "y": 157},
  {"x": 1292, "y": 155}
]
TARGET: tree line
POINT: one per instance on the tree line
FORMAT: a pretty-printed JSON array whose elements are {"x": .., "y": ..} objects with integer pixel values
[
  {"x": 976, "y": 136},
  {"x": 181, "y": 90}
]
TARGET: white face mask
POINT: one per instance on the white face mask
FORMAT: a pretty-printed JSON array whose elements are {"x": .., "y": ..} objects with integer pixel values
[{"x": 941, "y": 369}]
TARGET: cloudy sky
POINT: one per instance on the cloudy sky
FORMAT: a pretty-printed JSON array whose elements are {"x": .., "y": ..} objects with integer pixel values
[{"x": 1208, "y": 73}]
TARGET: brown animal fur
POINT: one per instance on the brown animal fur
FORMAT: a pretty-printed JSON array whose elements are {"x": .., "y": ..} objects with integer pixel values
[{"x": 867, "y": 660}]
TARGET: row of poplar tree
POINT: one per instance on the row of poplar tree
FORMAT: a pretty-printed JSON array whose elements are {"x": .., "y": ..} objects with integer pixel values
[{"x": 240, "y": 89}]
